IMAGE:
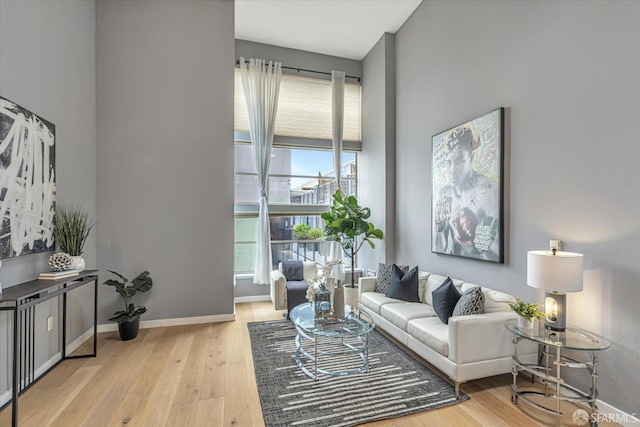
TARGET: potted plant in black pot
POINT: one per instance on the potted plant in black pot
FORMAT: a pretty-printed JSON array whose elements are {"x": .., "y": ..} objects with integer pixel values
[
  {"x": 129, "y": 318},
  {"x": 346, "y": 223}
]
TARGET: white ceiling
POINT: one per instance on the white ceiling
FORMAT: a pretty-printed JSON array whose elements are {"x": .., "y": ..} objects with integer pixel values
[{"x": 345, "y": 28}]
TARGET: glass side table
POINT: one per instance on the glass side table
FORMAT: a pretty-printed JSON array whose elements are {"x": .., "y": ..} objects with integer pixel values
[{"x": 556, "y": 389}]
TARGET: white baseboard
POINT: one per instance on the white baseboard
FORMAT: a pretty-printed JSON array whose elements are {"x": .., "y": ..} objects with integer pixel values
[
  {"x": 254, "y": 298},
  {"x": 6, "y": 396},
  {"x": 79, "y": 341},
  {"x": 215, "y": 318},
  {"x": 615, "y": 415}
]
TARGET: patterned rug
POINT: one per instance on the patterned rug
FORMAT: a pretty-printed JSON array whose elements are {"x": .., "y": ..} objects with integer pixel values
[{"x": 396, "y": 384}]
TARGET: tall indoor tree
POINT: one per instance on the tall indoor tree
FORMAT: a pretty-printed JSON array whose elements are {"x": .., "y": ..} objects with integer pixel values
[{"x": 346, "y": 223}]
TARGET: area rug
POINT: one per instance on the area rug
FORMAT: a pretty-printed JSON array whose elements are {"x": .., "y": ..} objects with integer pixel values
[{"x": 396, "y": 384}]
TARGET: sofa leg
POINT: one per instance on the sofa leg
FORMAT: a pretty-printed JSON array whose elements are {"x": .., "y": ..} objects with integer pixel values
[{"x": 457, "y": 390}]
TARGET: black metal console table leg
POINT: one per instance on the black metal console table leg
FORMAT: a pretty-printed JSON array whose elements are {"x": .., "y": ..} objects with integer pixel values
[{"x": 16, "y": 357}]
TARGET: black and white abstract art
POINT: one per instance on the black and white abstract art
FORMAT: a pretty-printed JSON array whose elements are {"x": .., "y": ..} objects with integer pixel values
[{"x": 27, "y": 181}]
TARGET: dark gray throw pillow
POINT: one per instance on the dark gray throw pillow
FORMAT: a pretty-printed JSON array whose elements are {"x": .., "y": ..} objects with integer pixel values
[
  {"x": 404, "y": 286},
  {"x": 445, "y": 299},
  {"x": 471, "y": 302},
  {"x": 293, "y": 270},
  {"x": 383, "y": 280}
]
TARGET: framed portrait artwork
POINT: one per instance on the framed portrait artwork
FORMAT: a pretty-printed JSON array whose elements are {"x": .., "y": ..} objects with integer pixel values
[{"x": 467, "y": 189}]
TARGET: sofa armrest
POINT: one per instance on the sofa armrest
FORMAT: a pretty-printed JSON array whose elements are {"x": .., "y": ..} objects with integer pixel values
[
  {"x": 483, "y": 337},
  {"x": 366, "y": 284},
  {"x": 278, "y": 290}
]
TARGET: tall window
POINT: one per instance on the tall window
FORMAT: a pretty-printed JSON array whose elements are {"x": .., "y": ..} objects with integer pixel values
[
  {"x": 301, "y": 176},
  {"x": 304, "y": 112},
  {"x": 301, "y": 184}
]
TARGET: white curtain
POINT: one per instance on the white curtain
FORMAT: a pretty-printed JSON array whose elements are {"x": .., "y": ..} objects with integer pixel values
[
  {"x": 261, "y": 85},
  {"x": 337, "y": 125}
]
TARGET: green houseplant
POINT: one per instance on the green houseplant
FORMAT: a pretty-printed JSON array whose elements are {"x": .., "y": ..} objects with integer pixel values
[
  {"x": 527, "y": 311},
  {"x": 301, "y": 231},
  {"x": 346, "y": 223},
  {"x": 306, "y": 232},
  {"x": 71, "y": 228},
  {"x": 129, "y": 318},
  {"x": 314, "y": 233}
]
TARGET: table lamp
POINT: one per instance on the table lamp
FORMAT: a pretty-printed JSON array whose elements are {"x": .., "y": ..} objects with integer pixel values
[{"x": 556, "y": 272}]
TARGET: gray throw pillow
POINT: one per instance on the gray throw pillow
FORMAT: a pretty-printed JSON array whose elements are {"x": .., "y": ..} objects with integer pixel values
[
  {"x": 445, "y": 299},
  {"x": 404, "y": 286},
  {"x": 383, "y": 279},
  {"x": 293, "y": 270},
  {"x": 470, "y": 302}
]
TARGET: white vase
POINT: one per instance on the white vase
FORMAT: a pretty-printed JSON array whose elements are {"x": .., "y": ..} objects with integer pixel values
[
  {"x": 351, "y": 296},
  {"x": 77, "y": 263},
  {"x": 523, "y": 323}
]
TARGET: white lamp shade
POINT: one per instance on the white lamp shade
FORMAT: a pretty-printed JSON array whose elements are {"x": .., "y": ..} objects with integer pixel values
[{"x": 561, "y": 272}]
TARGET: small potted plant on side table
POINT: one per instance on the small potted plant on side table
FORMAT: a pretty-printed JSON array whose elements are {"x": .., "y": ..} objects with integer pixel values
[
  {"x": 526, "y": 312},
  {"x": 71, "y": 227},
  {"x": 129, "y": 318}
]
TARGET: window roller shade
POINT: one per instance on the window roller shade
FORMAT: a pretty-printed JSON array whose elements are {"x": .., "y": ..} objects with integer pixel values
[{"x": 304, "y": 108}]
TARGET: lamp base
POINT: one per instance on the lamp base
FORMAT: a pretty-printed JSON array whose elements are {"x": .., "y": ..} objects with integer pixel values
[{"x": 555, "y": 304}]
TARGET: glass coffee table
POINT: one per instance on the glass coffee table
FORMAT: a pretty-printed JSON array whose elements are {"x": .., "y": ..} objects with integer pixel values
[{"x": 331, "y": 345}]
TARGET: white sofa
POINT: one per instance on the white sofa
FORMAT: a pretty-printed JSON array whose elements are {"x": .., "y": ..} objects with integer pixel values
[{"x": 468, "y": 348}]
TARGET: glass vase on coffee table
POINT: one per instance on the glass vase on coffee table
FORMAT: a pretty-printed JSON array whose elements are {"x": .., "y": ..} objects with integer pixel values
[{"x": 322, "y": 301}]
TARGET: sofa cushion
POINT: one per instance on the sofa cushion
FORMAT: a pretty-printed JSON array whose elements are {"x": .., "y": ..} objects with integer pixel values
[
  {"x": 384, "y": 276},
  {"x": 404, "y": 286},
  {"x": 400, "y": 313},
  {"x": 372, "y": 301},
  {"x": 445, "y": 299},
  {"x": 422, "y": 284},
  {"x": 494, "y": 301},
  {"x": 309, "y": 270},
  {"x": 431, "y": 332},
  {"x": 471, "y": 302},
  {"x": 434, "y": 282}
]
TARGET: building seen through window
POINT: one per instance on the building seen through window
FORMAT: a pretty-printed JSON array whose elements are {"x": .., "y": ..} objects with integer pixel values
[{"x": 301, "y": 185}]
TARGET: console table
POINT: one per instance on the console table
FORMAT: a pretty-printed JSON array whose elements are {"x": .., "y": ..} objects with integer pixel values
[
  {"x": 554, "y": 343},
  {"x": 22, "y": 299}
]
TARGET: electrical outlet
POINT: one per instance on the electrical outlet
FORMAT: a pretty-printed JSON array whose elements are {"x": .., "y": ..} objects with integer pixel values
[
  {"x": 554, "y": 244},
  {"x": 49, "y": 323}
]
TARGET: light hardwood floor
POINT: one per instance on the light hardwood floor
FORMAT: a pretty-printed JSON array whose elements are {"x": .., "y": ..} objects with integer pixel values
[{"x": 202, "y": 375}]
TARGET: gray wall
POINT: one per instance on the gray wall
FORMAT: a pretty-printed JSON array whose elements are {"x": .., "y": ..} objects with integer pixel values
[
  {"x": 293, "y": 58},
  {"x": 47, "y": 65},
  {"x": 569, "y": 73},
  {"x": 165, "y": 152},
  {"x": 377, "y": 161}
]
